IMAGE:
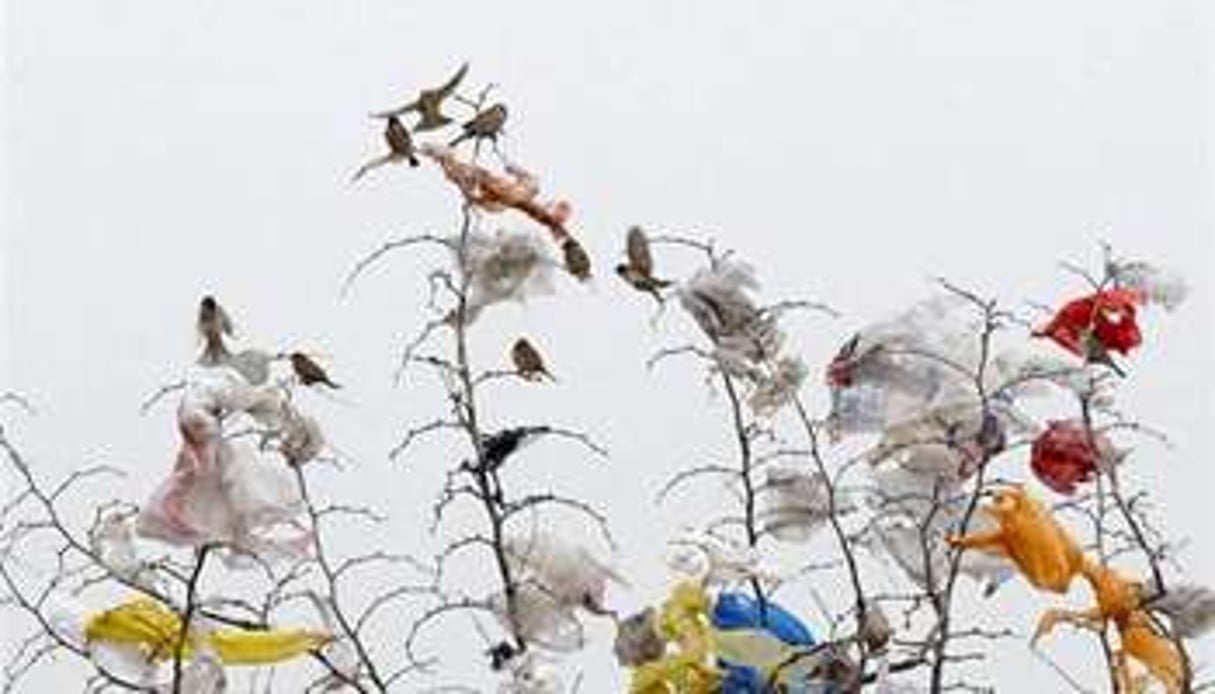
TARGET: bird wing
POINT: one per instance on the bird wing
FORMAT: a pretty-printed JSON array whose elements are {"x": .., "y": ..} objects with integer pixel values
[
  {"x": 398, "y": 111},
  {"x": 372, "y": 165},
  {"x": 638, "y": 249},
  {"x": 450, "y": 85}
]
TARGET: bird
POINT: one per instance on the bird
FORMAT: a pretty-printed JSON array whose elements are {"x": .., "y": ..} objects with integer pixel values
[
  {"x": 638, "y": 271},
  {"x": 308, "y": 371},
  {"x": 213, "y": 324},
  {"x": 500, "y": 445},
  {"x": 528, "y": 361},
  {"x": 486, "y": 125},
  {"x": 429, "y": 104},
  {"x": 577, "y": 262},
  {"x": 400, "y": 148}
]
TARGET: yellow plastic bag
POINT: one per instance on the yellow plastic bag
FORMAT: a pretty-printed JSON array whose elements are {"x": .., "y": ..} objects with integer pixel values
[{"x": 154, "y": 629}]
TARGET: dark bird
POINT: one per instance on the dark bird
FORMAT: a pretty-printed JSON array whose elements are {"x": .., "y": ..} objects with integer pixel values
[
  {"x": 497, "y": 447},
  {"x": 486, "y": 125},
  {"x": 577, "y": 262},
  {"x": 213, "y": 325},
  {"x": 429, "y": 104},
  {"x": 308, "y": 371},
  {"x": 528, "y": 361},
  {"x": 638, "y": 271},
  {"x": 400, "y": 148}
]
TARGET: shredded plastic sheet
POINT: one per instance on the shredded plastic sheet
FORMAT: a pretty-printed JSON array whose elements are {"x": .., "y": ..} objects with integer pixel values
[
  {"x": 113, "y": 541},
  {"x": 1042, "y": 550},
  {"x": 716, "y": 560},
  {"x": 1157, "y": 287},
  {"x": 540, "y": 619},
  {"x": 504, "y": 266},
  {"x": 568, "y": 572},
  {"x": 950, "y": 442},
  {"x": 202, "y": 675},
  {"x": 530, "y": 674},
  {"x": 893, "y": 370},
  {"x": 794, "y": 504},
  {"x": 1190, "y": 609},
  {"x": 555, "y": 579},
  {"x": 776, "y": 389},
  {"x": 920, "y": 365},
  {"x": 910, "y": 500},
  {"x": 221, "y": 489}
]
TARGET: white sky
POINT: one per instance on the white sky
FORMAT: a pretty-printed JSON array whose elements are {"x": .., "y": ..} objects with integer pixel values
[{"x": 155, "y": 151}]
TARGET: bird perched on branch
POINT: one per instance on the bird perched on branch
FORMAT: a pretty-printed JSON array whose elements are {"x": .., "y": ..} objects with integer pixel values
[
  {"x": 638, "y": 271},
  {"x": 499, "y": 446},
  {"x": 486, "y": 125},
  {"x": 213, "y": 324},
  {"x": 429, "y": 104},
  {"x": 577, "y": 262},
  {"x": 400, "y": 148},
  {"x": 528, "y": 361},
  {"x": 308, "y": 371}
]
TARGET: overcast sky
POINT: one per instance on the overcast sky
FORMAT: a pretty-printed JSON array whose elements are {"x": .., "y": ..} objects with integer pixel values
[{"x": 155, "y": 151}]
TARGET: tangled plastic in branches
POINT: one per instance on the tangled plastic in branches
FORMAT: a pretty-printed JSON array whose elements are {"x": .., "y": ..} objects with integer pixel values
[
  {"x": 917, "y": 513},
  {"x": 221, "y": 490},
  {"x": 896, "y": 369},
  {"x": 794, "y": 504},
  {"x": 1190, "y": 609},
  {"x": 554, "y": 580},
  {"x": 492, "y": 192},
  {"x": 713, "y": 559},
  {"x": 1157, "y": 286},
  {"x": 777, "y": 389},
  {"x": 530, "y": 674},
  {"x": 719, "y": 300},
  {"x": 505, "y": 266},
  {"x": 138, "y": 638}
]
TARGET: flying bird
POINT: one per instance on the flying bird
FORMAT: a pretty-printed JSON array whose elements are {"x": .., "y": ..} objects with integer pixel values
[
  {"x": 213, "y": 324},
  {"x": 400, "y": 148},
  {"x": 308, "y": 371},
  {"x": 638, "y": 271},
  {"x": 429, "y": 104},
  {"x": 577, "y": 262},
  {"x": 528, "y": 361},
  {"x": 486, "y": 125}
]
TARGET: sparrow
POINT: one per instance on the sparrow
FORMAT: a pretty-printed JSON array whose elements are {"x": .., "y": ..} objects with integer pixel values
[
  {"x": 429, "y": 104},
  {"x": 528, "y": 361},
  {"x": 213, "y": 325},
  {"x": 638, "y": 271},
  {"x": 486, "y": 125},
  {"x": 577, "y": 262},
  {"x": 400, "y": 148},
  {"x": 875, "y": 628},
  {"x": 308, "y": 371}
]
